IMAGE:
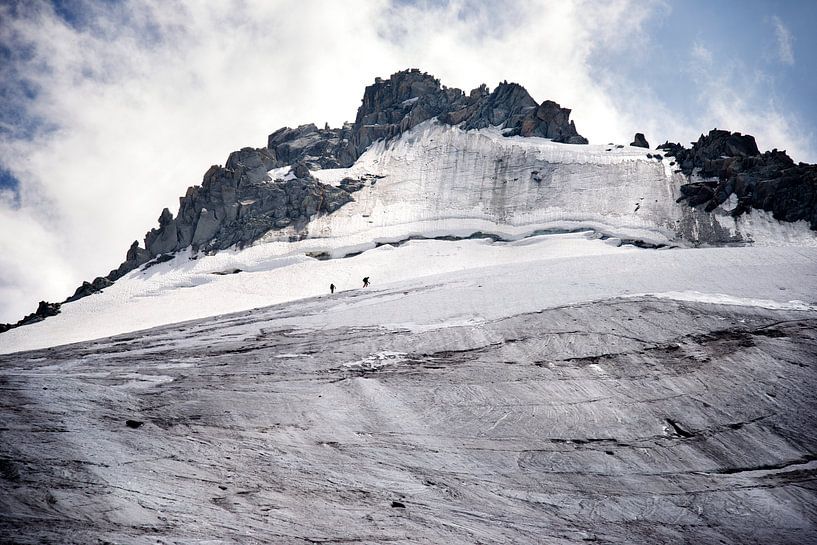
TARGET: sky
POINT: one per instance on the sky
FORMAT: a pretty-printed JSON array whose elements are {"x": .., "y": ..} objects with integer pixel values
[{"x": 110, "y": 109}]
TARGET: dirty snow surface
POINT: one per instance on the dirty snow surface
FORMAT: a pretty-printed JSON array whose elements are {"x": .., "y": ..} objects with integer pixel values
[
  {"x": 558, "y": 390},
  {"x": 517, "y": 372}
]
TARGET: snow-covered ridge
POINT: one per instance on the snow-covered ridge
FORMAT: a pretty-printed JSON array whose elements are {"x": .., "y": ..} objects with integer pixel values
[{"x": 433, "y": 181}]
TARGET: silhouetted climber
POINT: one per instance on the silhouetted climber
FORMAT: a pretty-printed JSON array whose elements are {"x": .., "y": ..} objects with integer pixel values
[
  {"x": 331, "y": 288},
  {"x": 365, "y": 281}
]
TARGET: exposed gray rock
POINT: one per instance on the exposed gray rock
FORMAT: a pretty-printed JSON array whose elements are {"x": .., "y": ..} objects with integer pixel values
[
  {"x": 393, "y": 106},
  {"x": 769, "y": 181},
  {"x": 89, "y": 288},
  {"x": 135, "y": 258},
  {"x": 639, "y": 141},
  {"x": 206, "y": 227},
  {"x": 165, "y": 238},
  {"x": 507, "y": 107},
  {"x": 710, "y": 150},
  {"x": 397, "y": 104},
  {"x": 44, "y": 310},
  {"x": 325, "y": 148},
  {"x": 550, "y": 120},
  {"x": 300, "y": 170}
]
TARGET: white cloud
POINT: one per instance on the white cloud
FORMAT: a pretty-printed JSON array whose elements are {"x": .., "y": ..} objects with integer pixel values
[
  {"x": 731, "y": 96},
  {"x": 148, "y": 94},
  {"x": 785, "y": 41},
  {"x": 701, "y": 54}
]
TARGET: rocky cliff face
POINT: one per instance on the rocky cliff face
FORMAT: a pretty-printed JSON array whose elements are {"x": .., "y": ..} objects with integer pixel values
[
  {"x": 391, "y": 107},
  {"x": 238, "y": 203},
  {"x": 730, "y": 163},
  {"x": 235, "y": 205}
]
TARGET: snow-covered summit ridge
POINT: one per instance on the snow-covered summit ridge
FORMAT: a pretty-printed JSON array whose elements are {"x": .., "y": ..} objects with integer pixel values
[
  {"x": 425, "y": 160},
  {"x": 238, "y": 203}
]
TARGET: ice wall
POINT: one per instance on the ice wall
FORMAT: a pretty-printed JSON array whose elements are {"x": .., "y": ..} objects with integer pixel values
[{"x": 440, "y": 180}]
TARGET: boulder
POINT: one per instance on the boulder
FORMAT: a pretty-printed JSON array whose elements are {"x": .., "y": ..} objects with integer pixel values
[
  {"x": 89, "y": 288},
  {"x": 639, "y": 141}
]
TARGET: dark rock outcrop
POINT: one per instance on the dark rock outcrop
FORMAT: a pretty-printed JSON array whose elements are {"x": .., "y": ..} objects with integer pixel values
[
  {"x": 710, "y": 151},
  {"x": 324, "y": 148},
  {"x": 44, "y": 310},
  {"x": 393, "y": 106},
  {"x": 639, "y": 141},
  {"x": 134, "y": 258},
  {"x": 550, "y": 120},
  {"x": 89, "y": 288},
  {"x": 730, "y": 163},
  {"x": 239, "y": 203}
]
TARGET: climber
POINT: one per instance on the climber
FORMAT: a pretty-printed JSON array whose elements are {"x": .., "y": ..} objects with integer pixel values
[
  {"x": 331, "y": 288},
  {"x": 365, "y": 281}
]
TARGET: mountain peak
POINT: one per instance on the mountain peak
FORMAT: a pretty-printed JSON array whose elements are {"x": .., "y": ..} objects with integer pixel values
[{"x": 277, "y": 190}]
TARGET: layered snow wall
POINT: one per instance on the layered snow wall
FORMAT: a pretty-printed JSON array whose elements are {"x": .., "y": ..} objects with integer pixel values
[{"x": 438, "y": 180}]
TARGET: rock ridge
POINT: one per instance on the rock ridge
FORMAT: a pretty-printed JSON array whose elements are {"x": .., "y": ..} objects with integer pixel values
[
  {"x": 729, "y": 163},
  {"x": 238, "y": 203}
]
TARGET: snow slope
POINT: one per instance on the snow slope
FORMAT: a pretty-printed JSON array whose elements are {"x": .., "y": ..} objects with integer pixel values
[
  {"x": 439, "y": 181},
  {"x": 559, "y": 387},
  {"x": 478, "y": 406},
  {"x": 466, "y": 279}
]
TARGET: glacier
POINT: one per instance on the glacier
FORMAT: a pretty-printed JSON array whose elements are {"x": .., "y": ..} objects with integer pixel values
[
  {"x": 435, "y": 181},
  {"x": 551, "y": 351},
  {"x": 513, "y": 398}
]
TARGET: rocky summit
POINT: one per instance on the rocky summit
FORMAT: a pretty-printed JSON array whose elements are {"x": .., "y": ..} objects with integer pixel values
[
  {"x": 238, "y": 203},
  {"x": 731, "y": 164},
  {"x": 274, "y": 189}
]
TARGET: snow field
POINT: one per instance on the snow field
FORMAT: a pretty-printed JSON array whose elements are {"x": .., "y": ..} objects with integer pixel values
[{"x": 426, "y": 283}]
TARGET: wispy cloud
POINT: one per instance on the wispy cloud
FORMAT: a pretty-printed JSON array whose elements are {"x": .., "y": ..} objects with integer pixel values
[
  {"x": 700, "y": 53},
  {"x": 732, "y": 96},
  {"x": 785, "y": 41}
]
